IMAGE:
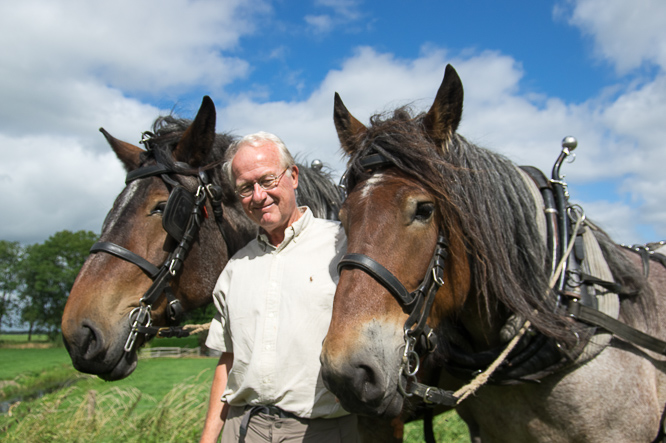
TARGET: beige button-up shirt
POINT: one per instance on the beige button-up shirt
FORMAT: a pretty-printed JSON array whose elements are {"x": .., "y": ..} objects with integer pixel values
[{"x": 274, "y": 308}]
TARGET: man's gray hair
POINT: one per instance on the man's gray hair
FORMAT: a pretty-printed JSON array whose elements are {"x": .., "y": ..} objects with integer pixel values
[{"x": 255, "y": 140}]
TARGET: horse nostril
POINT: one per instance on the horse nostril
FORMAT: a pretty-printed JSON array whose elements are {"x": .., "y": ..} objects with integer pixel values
[
  {"x": 91, "y": 342},
  {"x": 366, "y": 383}
]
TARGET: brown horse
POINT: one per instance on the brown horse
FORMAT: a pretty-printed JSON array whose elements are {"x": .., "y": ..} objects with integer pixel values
[
  {"x": 164, "y": 242},
  {"x": 96, "y": 321},
  {"x": 422, "y": 200}
]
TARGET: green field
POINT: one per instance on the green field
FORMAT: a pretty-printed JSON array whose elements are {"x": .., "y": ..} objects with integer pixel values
[
  {"x": 22, "y": 338},
  {"x": 164, "y": 400}
]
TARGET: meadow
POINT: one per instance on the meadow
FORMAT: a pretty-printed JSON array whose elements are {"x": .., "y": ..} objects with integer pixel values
[{"x": 43, "y": 399}]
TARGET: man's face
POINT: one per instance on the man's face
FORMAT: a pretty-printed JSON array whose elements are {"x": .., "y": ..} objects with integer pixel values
[{"x": 274, "y": 209}]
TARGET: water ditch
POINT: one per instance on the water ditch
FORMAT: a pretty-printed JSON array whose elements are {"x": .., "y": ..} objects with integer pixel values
[{"x": 25, "y": 393}]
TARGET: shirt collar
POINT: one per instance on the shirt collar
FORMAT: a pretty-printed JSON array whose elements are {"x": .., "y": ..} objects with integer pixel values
[{"x": 291, "y": 233}]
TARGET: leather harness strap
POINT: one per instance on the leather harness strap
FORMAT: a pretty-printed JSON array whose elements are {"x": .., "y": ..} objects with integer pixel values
[{"x": 616, "y": 327}]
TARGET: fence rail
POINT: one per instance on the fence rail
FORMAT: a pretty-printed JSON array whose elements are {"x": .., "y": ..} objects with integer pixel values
[{"x": 169, "y": 352}]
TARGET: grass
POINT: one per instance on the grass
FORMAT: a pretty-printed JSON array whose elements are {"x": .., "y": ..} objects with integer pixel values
[
  {"x": 23, "y": 338},
  {"x": 164, "y": 400},
  {"x": 79, "y": 415},
  {"x": 17, "y": 361},
  {"x": 447, "y": 427}
]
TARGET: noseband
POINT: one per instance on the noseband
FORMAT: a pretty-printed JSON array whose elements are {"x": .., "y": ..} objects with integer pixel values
[
  {"x": 417, "y": 303},
  {"x": 181, "y": 219}
]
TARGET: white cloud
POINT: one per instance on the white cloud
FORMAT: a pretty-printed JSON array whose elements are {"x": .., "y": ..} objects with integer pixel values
[
  {"x": 69, "y": 67},
  {"x": 143, "y": 46},
  {"x": 320, "y": 24},
  {"x": 54, "y": 183},
  {"x": 618, "y": 220},
  {"x": 627, "y": 34},
  {"x": 341, "y": 13}
]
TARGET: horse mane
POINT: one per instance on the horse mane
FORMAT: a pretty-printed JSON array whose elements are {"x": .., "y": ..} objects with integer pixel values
[
  {"x": 637, "y": 296},
  {"x": 482, "y": 198},
  {"x": 317, "y": 190}
]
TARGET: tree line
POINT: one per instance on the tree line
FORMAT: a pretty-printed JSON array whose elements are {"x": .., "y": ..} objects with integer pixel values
[{"x": 35, "y": 280}]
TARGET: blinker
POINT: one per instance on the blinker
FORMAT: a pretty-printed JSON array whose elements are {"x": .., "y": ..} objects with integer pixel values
[{"x": 177, "y": 212}]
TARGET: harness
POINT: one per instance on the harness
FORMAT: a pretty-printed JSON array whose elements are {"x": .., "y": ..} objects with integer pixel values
[
  {"x": 181, "y": 219},
  {"x": 526, "y": 353}
]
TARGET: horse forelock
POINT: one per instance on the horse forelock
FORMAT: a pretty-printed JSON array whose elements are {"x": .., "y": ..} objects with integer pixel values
[
  {"x": 168, "y": 131},
  {"x": 482, "y": 197}
]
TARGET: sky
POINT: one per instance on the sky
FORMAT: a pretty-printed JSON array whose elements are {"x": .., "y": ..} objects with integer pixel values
[{"x": 533, "y": 72}]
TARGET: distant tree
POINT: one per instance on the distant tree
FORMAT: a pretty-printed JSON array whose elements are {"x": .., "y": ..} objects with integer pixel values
[
  {"x": 10, "y": 258},
  {"x": 48, "y": 271}
]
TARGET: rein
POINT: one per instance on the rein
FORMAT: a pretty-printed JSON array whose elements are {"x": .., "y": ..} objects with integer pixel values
[{"x": 181, "y": 219}]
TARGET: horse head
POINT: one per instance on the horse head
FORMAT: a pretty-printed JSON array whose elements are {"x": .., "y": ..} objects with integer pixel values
[
  {"x": 164, "y": 215},
  {"x": 394, "y": 219}
]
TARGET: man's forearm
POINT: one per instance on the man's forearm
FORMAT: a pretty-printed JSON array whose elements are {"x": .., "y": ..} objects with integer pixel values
[{"x": 217, "y": 409}]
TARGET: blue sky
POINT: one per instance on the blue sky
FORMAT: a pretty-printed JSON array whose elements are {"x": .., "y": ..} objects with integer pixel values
[{"x": 533, "y": 72}]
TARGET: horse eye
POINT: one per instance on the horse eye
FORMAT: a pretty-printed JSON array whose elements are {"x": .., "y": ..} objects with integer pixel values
[
  {"x": 158, "y": 209},
  {"x": 424, "y": 211}
]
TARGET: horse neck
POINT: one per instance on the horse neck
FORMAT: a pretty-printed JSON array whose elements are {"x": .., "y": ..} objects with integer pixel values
[{"x": 480, "y": 324}]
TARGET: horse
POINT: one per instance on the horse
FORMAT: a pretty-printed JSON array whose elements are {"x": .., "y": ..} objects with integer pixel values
[
  {"x": 496, "y": 300},
  {"x": 164, "y": 242}
]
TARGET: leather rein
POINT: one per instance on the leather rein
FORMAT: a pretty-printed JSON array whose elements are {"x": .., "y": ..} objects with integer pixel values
[{"x": 181, "y": 219}]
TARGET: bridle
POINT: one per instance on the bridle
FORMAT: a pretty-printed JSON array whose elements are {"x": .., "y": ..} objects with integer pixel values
[
  {"x": 417, "y": 303},
  {"x": 181, "y": 219}
]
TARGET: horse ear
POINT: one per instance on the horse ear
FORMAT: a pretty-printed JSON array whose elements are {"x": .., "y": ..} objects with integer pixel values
[
  {"x": 197, "y": 141},
  {"x": 346, "y": 124},
  {"x": 444, "y": 116},
  {"x": 127, "y": 153}
]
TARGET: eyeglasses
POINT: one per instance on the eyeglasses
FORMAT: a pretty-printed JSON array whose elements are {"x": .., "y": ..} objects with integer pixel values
[{"x": 267, "y": 182}]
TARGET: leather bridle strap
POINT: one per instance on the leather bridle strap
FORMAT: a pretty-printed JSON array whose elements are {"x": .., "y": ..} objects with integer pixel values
[
  {"x": 126, "y": 255},
  {"x": 379, "y": 273},
  {"x": 147, "y": 171}
]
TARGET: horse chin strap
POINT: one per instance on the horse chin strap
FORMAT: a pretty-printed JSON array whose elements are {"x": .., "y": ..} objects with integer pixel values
[{"x": 140, "y": 318}]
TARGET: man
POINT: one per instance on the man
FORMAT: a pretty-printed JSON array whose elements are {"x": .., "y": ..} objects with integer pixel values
[{"x": 274, "y": 301}]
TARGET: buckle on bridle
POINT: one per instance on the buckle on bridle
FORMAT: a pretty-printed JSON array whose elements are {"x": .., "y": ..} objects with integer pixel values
[{"x": 141, "y": 317}]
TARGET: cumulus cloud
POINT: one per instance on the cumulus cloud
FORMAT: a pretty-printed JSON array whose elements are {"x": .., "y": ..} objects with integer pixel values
[
  {"x": 628, "y": 34},
  {"x": 69, "y": 67},
  {"x": 55, "y": 183}
]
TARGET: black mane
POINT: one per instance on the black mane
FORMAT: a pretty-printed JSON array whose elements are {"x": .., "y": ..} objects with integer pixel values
[{"x": 483, "y": 198}]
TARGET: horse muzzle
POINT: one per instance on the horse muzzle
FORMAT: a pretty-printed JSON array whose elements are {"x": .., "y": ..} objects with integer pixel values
[
  {"x": 363, "y": 371},
  {"x": 94, "y": 353}
]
